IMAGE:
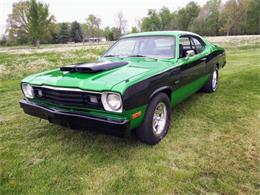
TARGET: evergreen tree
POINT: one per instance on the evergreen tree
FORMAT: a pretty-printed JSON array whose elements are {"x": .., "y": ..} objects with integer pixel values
[
  {"x": 64, "y": 34},
  {"x": 108, "y": 33},
  {"x": 76, "y": 32}
]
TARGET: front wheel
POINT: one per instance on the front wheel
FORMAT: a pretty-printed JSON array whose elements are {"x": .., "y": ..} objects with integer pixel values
[{"x": 156, "y": 121}]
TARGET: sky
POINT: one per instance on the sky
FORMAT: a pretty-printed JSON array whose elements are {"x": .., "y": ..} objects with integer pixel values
[{"x": 71, "y": 10}]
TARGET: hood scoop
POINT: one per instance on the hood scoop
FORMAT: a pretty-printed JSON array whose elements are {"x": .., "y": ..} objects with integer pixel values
[{"x": 92, "y": 67}]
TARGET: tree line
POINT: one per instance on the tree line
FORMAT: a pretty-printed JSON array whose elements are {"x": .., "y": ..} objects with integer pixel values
[
  {"x": 31, "y": 22},
  {"x": 235, "y": 17}
]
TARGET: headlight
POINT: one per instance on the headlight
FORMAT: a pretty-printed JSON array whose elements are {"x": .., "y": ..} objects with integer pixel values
[
  {"x": 27, "y": 90},
  {"x": 112, "y": 102}
]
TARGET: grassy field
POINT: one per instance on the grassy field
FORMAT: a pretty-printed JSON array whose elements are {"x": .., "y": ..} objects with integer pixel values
[{"x": 213, "y": 145}]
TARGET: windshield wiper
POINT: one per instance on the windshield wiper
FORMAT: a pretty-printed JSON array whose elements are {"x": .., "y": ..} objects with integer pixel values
[
  {"x": 110, "y": 55},
  {"x": 141, "y": 56},
  {"x": 137, "y": 55}
]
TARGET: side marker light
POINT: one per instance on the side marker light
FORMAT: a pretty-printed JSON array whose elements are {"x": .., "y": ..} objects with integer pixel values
[{"x": 136, "y": 115}]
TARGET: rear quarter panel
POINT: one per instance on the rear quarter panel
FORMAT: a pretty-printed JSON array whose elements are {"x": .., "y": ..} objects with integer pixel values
[{"x": 217, "y": 56}]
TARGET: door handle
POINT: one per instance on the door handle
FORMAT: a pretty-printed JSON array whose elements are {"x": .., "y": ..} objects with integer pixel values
[{"x": 204, "y": 59}]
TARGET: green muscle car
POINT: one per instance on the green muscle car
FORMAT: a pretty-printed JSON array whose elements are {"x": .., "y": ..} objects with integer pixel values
[{"x": 133, "y": 86}]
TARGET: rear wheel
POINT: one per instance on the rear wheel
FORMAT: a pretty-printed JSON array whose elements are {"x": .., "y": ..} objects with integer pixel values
[
  {"x": 212, "y": 84},
  {"x": 156, "y": 121}
]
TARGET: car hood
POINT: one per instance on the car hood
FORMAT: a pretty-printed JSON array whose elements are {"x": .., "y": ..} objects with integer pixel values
[{"x": 100, "y": 81}]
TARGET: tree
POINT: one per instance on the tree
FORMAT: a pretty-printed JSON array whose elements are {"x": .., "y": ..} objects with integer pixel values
[
  {"x": 53, "y": 33},
  {"x": 64, "y": 34},
  {"x": 17, "y": 23},
  {"x": 27, "y": 22},
  {"x": 233, "y": 17},
  {"x": 151, "y": 22},
  {"x": 187, "y": 15},
  {"x": 39, "y": 20},
  {"x": 174, "y": 21},
  {"x": 162, "y": 20},
  {"x": 30, "y": 21},
  {"x": 112, "y": 34},
  {"x": 213, "y": 19},
  {"x": 116, "y": 33},
  {"x": 208, "y": 20},
  {"x": 253, "y": 17},
  {"x": 76, "y": 32},
  {"x": 165, "y": 19},
  {"x": 134, "y": 30},
  {"x": 121, "y": 22},
  {"x": 3, "y": 40},
  {"x": 93, "y": 26},
  {"x": 108, "y": 34}
]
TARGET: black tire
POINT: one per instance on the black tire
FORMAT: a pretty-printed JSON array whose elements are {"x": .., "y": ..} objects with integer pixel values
[
  {"x": 145, "y": 132},
  {"x": 209, "y": 87}
]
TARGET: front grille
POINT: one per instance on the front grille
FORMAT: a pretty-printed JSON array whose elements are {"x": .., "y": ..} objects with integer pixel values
[{"x": 67, "y": 97}]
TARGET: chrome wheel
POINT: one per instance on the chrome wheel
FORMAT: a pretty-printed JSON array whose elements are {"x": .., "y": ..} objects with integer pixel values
[
  {"x": 214, "y": 80},
  {"x": 159, "y": 118}
]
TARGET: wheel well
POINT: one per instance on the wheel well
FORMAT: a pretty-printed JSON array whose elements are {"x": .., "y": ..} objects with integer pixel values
[{"x": 167, "y": 91}]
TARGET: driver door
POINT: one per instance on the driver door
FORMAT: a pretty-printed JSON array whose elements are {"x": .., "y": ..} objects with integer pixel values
[{"x": 191, "y": 68}]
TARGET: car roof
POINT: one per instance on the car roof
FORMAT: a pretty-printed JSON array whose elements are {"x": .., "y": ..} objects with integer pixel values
[{"x": 167, "y": 33}]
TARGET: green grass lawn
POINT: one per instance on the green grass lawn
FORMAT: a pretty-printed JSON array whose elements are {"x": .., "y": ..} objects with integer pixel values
[{"x": 213, "y": 145}]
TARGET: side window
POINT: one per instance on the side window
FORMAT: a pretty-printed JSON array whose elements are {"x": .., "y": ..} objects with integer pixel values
[
  {"x": 199, "y": 44},
  {"x": 185, "y": 44}
]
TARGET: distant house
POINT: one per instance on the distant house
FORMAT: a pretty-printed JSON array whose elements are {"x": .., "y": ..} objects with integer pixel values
[{"x": 95, "y": 39}]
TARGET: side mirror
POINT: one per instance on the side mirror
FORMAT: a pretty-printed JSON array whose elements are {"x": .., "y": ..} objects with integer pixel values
[{"x": 189, "y": 53}]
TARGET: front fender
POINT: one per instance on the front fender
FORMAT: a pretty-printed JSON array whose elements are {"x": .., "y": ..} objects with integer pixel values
[{"x": 164, "y": 89}]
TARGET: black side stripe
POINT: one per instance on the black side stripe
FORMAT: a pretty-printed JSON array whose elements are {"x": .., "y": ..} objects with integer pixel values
[{"x": 139, "y": 93}]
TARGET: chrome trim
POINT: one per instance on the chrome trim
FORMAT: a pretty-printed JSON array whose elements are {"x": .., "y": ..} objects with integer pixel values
[
  {"x": 91, "y": 92},
  {"x": 159, "y": 118},
  {"x": 105, "y": 104},
  {"x": 65, "y": 89}
]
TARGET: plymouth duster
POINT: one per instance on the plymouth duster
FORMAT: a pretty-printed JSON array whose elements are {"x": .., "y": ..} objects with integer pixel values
[{"x": 133, "y": 86}]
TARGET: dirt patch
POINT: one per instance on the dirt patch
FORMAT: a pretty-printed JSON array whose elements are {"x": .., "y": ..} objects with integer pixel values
[
  {"x": 235, "y": 39},
  {"x": 4, "y": 118},
  {"x": 38, "y": 62},
  {"x": 54, "y": 48},
  {"x": 2, "y": 68}
]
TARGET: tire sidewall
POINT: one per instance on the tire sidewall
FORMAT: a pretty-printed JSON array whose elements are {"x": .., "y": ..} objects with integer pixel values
[
  {"x": 146, "y": 133},
  {"x": 215, "y": 69}
]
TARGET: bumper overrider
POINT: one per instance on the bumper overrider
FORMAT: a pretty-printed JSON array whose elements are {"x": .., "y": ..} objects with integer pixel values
[{"x": 74, "y": 120}]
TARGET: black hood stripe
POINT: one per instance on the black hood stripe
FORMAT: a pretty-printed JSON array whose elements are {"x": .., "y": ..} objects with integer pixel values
[{"x": 92, "y": 67}]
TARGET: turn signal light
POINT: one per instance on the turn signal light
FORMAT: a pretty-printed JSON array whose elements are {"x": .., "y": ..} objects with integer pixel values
[{"x": 136, "y": 115}]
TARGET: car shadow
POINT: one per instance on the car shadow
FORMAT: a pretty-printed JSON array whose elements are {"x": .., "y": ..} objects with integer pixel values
[{"x": 96, "y": 148}]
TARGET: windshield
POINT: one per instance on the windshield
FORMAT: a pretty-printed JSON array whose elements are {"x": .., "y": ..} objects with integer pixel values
[{"x": 150, "y": 46}]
